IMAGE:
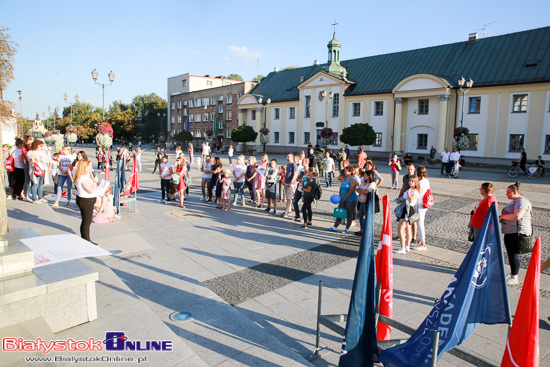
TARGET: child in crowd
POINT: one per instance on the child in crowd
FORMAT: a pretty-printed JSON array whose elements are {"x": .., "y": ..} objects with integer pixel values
[
  {"x": 226, "y": 191},
  {"x": 271, "y": 178},
  {"x": 456, "y": 168},
  {"x": 282, "y": 169},
  {"x": 52, "y": 167},
  {"x": 106, "y": 211}
]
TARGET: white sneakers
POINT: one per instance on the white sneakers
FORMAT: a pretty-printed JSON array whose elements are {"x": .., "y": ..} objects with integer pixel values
[
  {"x": 419, "y": 248},
  {"x": 401, "y": 251}
]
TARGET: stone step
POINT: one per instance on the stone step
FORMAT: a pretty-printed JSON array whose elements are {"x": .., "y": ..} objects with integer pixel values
[{"x": 16, "y": 258}]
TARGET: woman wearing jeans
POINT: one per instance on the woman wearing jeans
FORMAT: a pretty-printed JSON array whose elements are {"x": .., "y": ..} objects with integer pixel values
[
  {"x": 239, "y": 172},
  {"x": 349, "y": 199},
  {"x": 516, "y": 219},
  {"x": 367, "y": 186},
  {"x": 85, "y": 196},
  {"x": 395, "y": 168},
  {"x": 65, "y": 161},
  {"x": 40, "y": 157}
]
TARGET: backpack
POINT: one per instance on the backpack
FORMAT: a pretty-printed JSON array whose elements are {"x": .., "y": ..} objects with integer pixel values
[
  {"x": 318, "y": 192},
  {"x": 428, "y": 200}
]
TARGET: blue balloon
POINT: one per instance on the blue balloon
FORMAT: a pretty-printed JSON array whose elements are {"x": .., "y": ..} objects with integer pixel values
[{"x": 335, "y": 199}]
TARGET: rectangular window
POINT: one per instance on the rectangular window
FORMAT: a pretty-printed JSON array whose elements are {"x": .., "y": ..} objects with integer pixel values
[
  {"x": 185, "y": 103},
  {"x": 378, "y": 141},
  {"x": 291, "y": 113},
  {"x": 209, "y": 82},
  {"x": 336, "y": 105},
  {"x": 198, "y": 117},
  {"x": 220, "y": 108},
  {"x": 220, "y": 124},
  {"x": 356, "y": 107},
  {"x": 198, "y": 103},
  {"x": 229, "y": 98},
  {"x": 547, "y": 145},
  {"x": 520, "y": 103},
  {"x": 379, "y": 108},
  {"x": 184, "y": 82},
  {"x": 212, "y": 101},
  {"x": 253, "y": 115},
  {"x": 239, "y": 95},
  {"x": 307, "y": 113},
  {"x": 220, "y": 98},
  {"x": 307, "y": 138},
  {"x": 291, "y": 138},
  {"x": 205, "y": 101},
  {"x": 179, "y": 105},
  {"x": 423, "y": 106},
  {"x": 191, "y": 104},
  {"x": 173, "y": 105},
  {"x": 422, "y": 141},
  {"x": 475, "y": 105},
  {"x": 228, "y": 134},
  {"x": 191, "y": 118},
  {"x": 212, "y": 116},
  {"x": 276, "y": 137},
  {"x": 185, "y": 112},
  {"x": 179, "y": 119},
  {"x": 275, "y": 114},
  {"x": 516, "y": 142},
  {"x": 204, "y": 117},
  {"x": 473, "y": 138},
  {"x": 173, "y": 119},
  {"x": 229, "y": 115}
]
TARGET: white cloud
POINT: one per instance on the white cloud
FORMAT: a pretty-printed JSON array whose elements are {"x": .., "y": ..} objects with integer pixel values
[
  {"x": 244, "y": 53},
  {"x": 226, "y": 58}
]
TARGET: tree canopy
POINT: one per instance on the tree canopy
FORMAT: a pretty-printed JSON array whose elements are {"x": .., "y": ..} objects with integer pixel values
[
  {"x": 358, "y": 134},
  {"x": 243, "y": 134},
  {"x": 259, "y": 78},
  {"x": 235, "y": 77},
  {"x": 183, "y": 136}
]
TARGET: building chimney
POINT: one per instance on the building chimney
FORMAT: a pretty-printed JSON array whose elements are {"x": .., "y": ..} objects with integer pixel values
[
  {"x": 472, "y": 37},
  {"x": 301, "y": 79},
  {"x": 276, "y": 70},
  {"x": 315, "y": 62}
]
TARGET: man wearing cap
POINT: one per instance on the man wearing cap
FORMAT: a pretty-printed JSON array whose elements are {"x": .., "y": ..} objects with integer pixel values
[{"x": 342, "y": 156}]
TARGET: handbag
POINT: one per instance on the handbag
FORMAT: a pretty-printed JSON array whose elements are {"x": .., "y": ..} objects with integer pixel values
[
  {"x": 340, "y": 213},
  {"x": 428, "y": 200},
  {"x": 38, "y": 172},
  {"x": 413, "y": 215},
  {"x": 56, "y": 179},
  {"x": 10, "y": 163}
]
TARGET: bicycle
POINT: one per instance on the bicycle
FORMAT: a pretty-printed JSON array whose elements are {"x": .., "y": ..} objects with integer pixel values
[
  {"x": 534, "y": 172},
  {"x": 515, "y": 170}
]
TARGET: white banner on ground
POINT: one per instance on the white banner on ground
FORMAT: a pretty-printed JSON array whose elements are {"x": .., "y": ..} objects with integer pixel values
[{"x": 54, "y": 249}]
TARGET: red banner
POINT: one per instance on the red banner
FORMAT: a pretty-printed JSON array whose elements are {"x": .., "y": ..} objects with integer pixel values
[
  {"x": 384, "y": 270},
  {"x": 133, "y": 182},
  {"x": 522, "y": 347},
  {"x": 107, "y": 165}
]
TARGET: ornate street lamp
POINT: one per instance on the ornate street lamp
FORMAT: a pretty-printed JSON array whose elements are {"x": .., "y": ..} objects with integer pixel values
[
  {"x": 469, "y": 85},
  {"x": 111, "y": 76},
  {"x": 76, "y": 98}
]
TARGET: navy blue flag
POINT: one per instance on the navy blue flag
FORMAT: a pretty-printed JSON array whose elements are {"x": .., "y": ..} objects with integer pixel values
[
  {"x": 477, "y": 294},
  {"x": 359, "y": 345}
]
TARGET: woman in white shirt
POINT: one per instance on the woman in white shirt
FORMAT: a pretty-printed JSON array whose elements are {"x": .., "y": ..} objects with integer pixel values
[
  {"x": 86, "y": 186},
  {"x": 423, "y": 186},
  {"x": 40, "y": 157},
  {"x": 409, "y": 197},
  {"x": 239, "y": 172},
  {"x": 230, "y": 154}
]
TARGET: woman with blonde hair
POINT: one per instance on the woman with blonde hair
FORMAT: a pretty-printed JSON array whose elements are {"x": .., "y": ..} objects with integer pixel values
[
  {"x": 260, "y": 179},
  {"x": 86, "y": 186},
  {"x": 409, "y": 200},
  {"x": 423, "y": 187},
  {"x": 251, "y": 177}
]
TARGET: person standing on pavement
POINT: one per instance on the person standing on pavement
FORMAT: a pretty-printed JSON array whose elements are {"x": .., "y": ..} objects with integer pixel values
[
  {"x": 299, "y": 190},
  {"x": 165, "y": 174},
  {"x": 454, "y": 157},
  {"x": 309, "y": 188},
  {"x": 328, "y": 169},
  {"x": 348, "y": 197},
  {"x": 38, "y": 156},
  {"x": 369, "y": 165},
  {"x": 205, "y": 150},
  {"x": 516, "y": 220},
  {"x": 65, "y": 162},
  {"x": 86, "y": 185},
  {"x": 312, "y": 158},
  {"x": 362, "y": 157},
  {"x": 271, "y": 177},
  {"x": 368, "y": 185},
  {"x": 206, "y": 176},
  {"x": 432, "y": 152},
  {"x": 158, "y": 159},
  {"x": 523, "y": 161},
  {"x": 260, "y": 180},
  {"x": 445, "y": 155},
  {"x": 239, "y": 173},
  {"x": 423, "y": 187},
  {"x": 342, "y": 156},
  {"x": 27, "y": 143},
  {"x": 230, "y": 153},
  {"x": 481, "y": 209},
  {"x": 395, "y": 168},
  {"x": 250, "y": 177},
  {"x": 410, "y": 198},
  {"x": 290, "y": 177},
  {"x": 190, "y": 152},
  {"x": 19, "y": 171},
  {"x": 406, "y": 180}
]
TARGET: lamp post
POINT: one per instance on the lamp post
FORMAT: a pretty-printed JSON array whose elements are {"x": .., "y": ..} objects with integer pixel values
[
  {"x": 469, "y": 85},
  {"x": 76, "y": 98},
  {"x": 160, "y": 117},
  {"x": 55, "y": 111},
  {"x": 20, "y": 111},
  {"x": 111, "y": 76},
  {"x": 330, "y": 96},
  {"x": 264, "y": 107}
]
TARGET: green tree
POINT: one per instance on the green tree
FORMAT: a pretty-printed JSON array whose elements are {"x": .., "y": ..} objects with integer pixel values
[
  {"x": 243, "y": 134},
  {"x": 259, "y": 78},
  {"x": 183, "y": 136},
  {"x": 146, "y": 109},
  {"x": 85, "y": 118},
  {"x": 123, "y": 120},
  {"x": 235, "y": 77},
  {"x": 358, "y": 134}
]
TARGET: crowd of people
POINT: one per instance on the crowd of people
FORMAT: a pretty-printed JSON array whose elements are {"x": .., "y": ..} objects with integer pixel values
[{"x": 295, "y": 186}]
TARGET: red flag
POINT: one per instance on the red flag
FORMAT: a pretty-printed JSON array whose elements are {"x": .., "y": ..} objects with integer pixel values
[
  {"x": 133, "y": 181},
  {"x": 522, "y": 347},
  {"x": 384, "y": 270},
  {"x": 107, "y": 166}
]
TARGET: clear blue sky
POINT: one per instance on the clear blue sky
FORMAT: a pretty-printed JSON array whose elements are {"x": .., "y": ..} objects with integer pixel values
[{"x": 145, "y": 42}]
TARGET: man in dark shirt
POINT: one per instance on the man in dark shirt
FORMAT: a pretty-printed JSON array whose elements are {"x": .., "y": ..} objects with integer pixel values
[
  {"x": 432, "y": 152},
  {"x": 312, "y": 158},
  {"x": 523, "y": 160}
]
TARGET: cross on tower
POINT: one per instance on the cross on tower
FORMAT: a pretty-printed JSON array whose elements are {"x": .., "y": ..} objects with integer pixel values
[{"x": 335, "y": 24}]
